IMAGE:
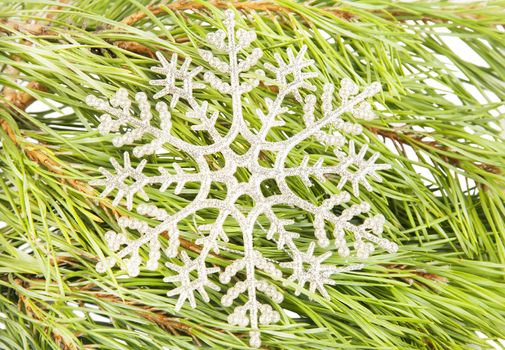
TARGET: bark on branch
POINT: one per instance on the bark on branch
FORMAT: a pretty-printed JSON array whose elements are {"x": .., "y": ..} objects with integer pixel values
[
  {"x": 269, "y": 6},
  {"x": 13, "y": 100},
  {"x": 410, "y": 138}
]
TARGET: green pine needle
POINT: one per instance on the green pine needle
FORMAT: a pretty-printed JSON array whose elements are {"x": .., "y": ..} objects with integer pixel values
[{"x": 441, "y": 116}]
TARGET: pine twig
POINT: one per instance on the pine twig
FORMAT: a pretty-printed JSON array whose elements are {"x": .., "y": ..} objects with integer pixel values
[
  {"x": 420, "y": 273},
  {"x": 269, "y": 6},
  {"x": 480, "y": 231},
  {"x": 21, "y": 100},
  {"x": 31, "y": 28},
  {"x": 407, "y": 138},
  {"x": 28, "y": 28},
  {"x": 135, "y": 47},
  {"x": 171, "y": 324},
  {"x": 25, "y": 307},
  {"x": 182, "y": 5}
]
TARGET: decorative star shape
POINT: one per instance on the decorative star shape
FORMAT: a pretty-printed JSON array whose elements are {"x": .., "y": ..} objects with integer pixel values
[
  {"x": 118, "y": 180},
  {"x": 366, "y": 167},
  {"x": 172, "y": 73},
  {"x": 316, "y": 274},
  {"x": 187, "y": 284}
]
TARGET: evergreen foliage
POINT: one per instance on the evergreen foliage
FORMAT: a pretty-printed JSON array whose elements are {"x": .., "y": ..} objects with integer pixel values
[{"x": 443, "y": 198}]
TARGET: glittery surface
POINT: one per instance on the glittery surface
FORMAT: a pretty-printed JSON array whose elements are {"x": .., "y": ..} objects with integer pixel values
[{"x": 305, "y": 268}]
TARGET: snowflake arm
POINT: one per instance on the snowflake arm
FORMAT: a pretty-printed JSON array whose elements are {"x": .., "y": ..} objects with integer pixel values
[
  {"x": 366, "y": 168},
  {"x": 295, "y": 67},
  {"x": 172, "y": 73},
  {"x": 187, "y": 284},
  {"x": 316, "y": 274},
  {"x": 117, "y": 181},
  {"x": 116, "y": 240}
]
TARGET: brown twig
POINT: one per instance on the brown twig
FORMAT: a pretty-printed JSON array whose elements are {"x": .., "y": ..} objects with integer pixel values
[
  {"x": 21, "y": 100},
  {"x": 40, "y": 30},
  {"x": 32, "y": 311},
  {"x": 28, "y": 28},
  {"x": 162, "y": 319},
  {"x": 32, "y": 28},
  {"x": 409, "y": 137},
  {"x": 182, "y": 5},
  {"x": 420, "y": 273},
  {"x": 13, "y": 100},
  {"x": 135, "y": 47},
  {"x": 194, "y": 5},
  {"x": 169, "y": 323},
  {"x": 269, "y": 6}
]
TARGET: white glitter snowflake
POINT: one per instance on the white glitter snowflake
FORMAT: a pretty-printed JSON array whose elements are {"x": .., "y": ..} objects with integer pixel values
[{"x": 326, "y": 127}]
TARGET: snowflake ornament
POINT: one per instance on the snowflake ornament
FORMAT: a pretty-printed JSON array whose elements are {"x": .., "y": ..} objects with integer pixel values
[{"x": 293, "y": 79}]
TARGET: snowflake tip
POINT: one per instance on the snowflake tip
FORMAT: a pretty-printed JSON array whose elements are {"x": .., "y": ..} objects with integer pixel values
[
  {"x": 254, "y": 340},
  {"x": 391, "y": 247},
  {"x": 120, "y": 98},
  {"x": 229, "y": 14},
  {"x": 105, "y": 264},
  {"x": 372, "y": 89},
  {"x": 92, "y": 101},
  {"x": 347, "y": 88}
]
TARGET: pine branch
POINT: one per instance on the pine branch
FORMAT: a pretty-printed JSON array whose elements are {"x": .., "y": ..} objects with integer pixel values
[
  {"x": 446, "y": 282},
  {"x": 411, "y": 137},
  {"x": 21, "y": 100},
  {"x": 172, "y": 324},
  {"x": 29, "y": 28},
  {"x": 270, "y": 6}
]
